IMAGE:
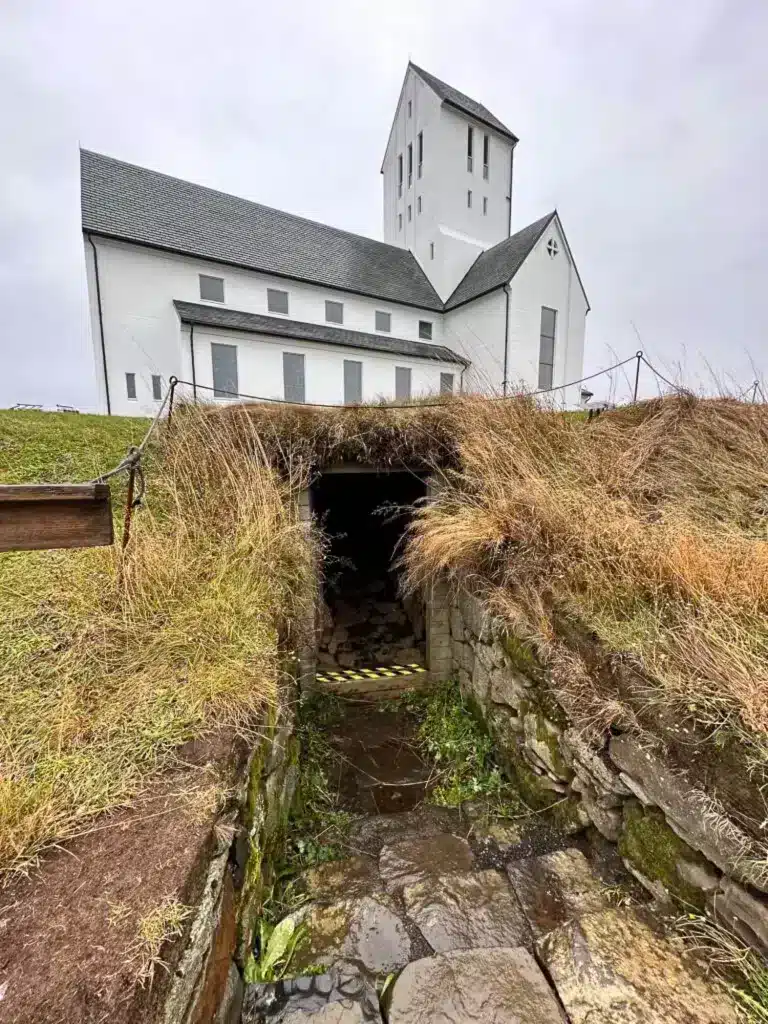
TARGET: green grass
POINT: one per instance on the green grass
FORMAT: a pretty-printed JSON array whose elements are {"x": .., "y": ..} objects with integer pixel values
[
  {"x": 60, "y": 447},
  {"x": 456, "y": 742},
  {"x": 110, "y": 661}
]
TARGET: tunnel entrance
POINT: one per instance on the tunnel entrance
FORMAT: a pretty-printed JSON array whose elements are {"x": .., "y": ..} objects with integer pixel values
[{"x": 364, "y": 622}]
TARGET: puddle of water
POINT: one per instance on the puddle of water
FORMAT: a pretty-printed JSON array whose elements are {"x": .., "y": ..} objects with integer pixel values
[{"x": 380, "y": 770}]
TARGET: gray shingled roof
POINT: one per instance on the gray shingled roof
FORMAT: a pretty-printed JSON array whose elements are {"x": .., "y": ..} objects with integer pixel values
[
  {"x": 257, "y": 323},
  {"x": 498, "y": 265},
  {"x": 462, "y": 102},
  {"x": 123, "y": 201}
]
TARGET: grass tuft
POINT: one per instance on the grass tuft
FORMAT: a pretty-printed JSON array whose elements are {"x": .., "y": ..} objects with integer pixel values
[{"x": 109, "y": 662}]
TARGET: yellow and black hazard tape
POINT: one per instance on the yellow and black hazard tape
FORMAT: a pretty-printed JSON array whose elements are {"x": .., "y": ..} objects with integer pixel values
[{"x": 381, "y": 672}]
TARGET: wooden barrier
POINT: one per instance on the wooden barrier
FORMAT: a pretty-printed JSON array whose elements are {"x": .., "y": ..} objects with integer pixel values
[{"x": 35, "y": 516}]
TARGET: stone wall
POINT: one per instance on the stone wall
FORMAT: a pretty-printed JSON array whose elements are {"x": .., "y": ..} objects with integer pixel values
[
  {"x": 207, "y": 984},
  {"x": 676, "y": 839}
]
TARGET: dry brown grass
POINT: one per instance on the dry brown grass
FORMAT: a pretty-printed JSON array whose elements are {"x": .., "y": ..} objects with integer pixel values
[
  {"x": 648, "y": 525},
  {"x": 302, "y": 437},
  {"x": 109, "y": 663}
]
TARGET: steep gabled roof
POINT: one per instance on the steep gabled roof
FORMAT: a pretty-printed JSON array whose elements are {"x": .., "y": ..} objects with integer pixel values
[
  {"x": 498, "y": 265},
  {"x": 258, "y": 323},
  {"x": 462, "y": 102},
  {"x": 121, "y": 200}
]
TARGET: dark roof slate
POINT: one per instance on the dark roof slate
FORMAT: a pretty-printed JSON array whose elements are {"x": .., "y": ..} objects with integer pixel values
[
  {"x": 121, "y": 200},
  {"x": 498, "y": 265},
  {"x": 463, "y": 102},
  {"x": 258, "y": 323}
]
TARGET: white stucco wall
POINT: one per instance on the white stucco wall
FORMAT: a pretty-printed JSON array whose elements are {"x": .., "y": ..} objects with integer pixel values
[
  {"x": 141, "y": 326},
  {"x": 260, "y": 367},
  {"x": 477, "y": 332},
  {"x": 544, "y": 281}
]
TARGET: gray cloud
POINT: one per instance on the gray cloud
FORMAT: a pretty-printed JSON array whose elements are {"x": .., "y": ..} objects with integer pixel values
[{"x": 643, "y": 122}]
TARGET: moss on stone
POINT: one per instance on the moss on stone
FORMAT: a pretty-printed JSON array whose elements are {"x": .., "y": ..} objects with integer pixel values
[
  {"x": 521, "y": 656},
  {"x": 550, "y": 737},
  {"x": 654, "y": 849}
]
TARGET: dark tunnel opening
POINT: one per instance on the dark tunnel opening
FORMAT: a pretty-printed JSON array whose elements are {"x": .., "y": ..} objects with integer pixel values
[{"x": 364, "y": 619}]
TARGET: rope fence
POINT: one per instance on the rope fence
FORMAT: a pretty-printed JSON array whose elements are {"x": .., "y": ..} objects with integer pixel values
[{"x": 131, "y": 463}]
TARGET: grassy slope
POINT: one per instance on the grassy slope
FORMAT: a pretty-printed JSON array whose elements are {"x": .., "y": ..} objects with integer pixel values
[
  {"x": 108, "y": 663},
  {"x": 45, "y": 447}
]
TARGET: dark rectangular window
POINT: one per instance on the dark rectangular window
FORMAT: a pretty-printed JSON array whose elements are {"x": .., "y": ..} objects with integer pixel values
[
  {"x": 157, "y": 387},
  {"x": 402, "y": 382},
  {"x": 547, "y": 346},
  {"x": 485, "y": 206},
  {"x": 211, "y": 288},
  {"x": 383, "y": 321},
  {"x": 410, "y": 164},
  {"x": 353, "y": 381},
  {"x": 277, "y": 301},
  {"x": 410, "y": 212},
  {"x": 410, "y": 108},
  {"x": 399, "y": 222},
  {"x": 224, "y": 363},
  {"x": 486, "y": 155},
  {"x": 469, "y": 198},
  {"x": 293, "y": 377},
  {"x": 425, "y": 329},
  {"x": 130, "y": 385},
  {"x": 334, "y": 312},
  {"x": 420, "y": 161},
  {"x": 418, "y": 204},
  {"x": 399, "y": 174},
  {"x": 446, "y": 383},
  {"x": 431, "y": 250},
  {"x": 470, "y": 141}
]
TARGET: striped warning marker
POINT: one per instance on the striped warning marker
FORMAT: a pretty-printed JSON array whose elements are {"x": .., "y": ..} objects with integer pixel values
[{"x": 379, "y": 672}]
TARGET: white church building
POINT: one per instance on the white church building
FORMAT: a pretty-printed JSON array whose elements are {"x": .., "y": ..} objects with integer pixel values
[{"x": 239, "y": 298}]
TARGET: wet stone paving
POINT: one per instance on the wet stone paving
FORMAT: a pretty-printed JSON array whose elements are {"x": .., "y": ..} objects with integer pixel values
[{"x": 434, "y": 919}]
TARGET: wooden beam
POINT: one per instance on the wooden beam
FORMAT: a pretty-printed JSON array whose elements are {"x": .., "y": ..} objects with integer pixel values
[{"x": 35, "y": 516}]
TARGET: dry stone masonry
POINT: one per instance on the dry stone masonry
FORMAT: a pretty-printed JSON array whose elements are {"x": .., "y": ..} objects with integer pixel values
[{"x": 676, "y": 839}]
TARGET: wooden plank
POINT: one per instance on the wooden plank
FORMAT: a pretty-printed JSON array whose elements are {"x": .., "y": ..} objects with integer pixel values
[{"x": 39, "y": 516}]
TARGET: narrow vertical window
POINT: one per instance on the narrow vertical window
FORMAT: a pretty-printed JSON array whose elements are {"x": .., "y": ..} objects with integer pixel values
[
  {"x": 293, "y": 377},
  {"x": 224, "y": 366},
  {"x": 402, "y": 383},
  {"x": 399, "y": 174},
  {"x": 410, "y": 108},
  {"x": 469, "y": 198},
  {"x": 353, "y": 381},
  {"x": 486, "y": 155},
  {"x": 410, "y": 212},
  {"x": 431, "y": 250},
  {"x": 470, "y": 141},
  {"x": 157, "y": 387},
  {"x": 410, "y": 164},
  {"x": 130, "y": 385},
  {"x": 420, "y": 153},
  {"x": 418, "y": 204},
  {"x": 399, "y": 222},
  {"x": 485, "y": 206},
  {"x": 446, "y": 383},
  {"x": 547, "y": 346}
]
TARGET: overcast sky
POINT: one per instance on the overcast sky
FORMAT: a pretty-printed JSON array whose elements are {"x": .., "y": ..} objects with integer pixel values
[{"x": 645, "y": 122}]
